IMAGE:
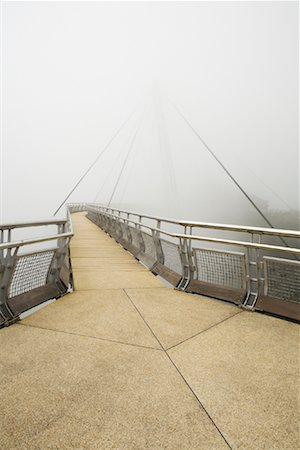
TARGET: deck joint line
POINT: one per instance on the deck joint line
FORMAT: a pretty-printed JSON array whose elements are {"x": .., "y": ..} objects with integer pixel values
[
  {"x": 89, "y": 337},
  {"x": 198, "y": 400},
  {"x": 133, "y": 304},
  {"x": 180, "y": 374},
  {"x": 206, "y": 329}
]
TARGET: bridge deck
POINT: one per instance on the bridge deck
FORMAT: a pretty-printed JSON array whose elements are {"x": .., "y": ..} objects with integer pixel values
[{"x": 127, "y": 363}]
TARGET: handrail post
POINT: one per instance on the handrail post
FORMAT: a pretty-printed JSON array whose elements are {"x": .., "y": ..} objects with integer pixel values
[
  {"x": 156, "y": 239},
  {"x": 252, "y": 274},
  {"x": 191, "y": 256},
  {"x": 1, "y": 241},
  {"x": 185, "y": 253},
  {"x": 58, "y": 260},
  {"x": 129, "y": 237},
  {"x": 139, "y": 231},
  {"x": 118, "y": 226},
  {"x": 8, "y": 263}
]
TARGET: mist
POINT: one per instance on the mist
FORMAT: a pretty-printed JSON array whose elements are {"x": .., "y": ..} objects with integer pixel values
[{"x": 74, "y": 72}]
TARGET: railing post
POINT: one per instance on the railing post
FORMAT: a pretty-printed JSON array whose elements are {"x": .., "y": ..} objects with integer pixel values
[
  {"x": 185, "y": 256},
  {"x": 1, "y": 241},
  {"x": 7, "y": 266},
  {"x": 129, "y": 237},
  {"x": 118, "y": 226},
  {"x": 58, "y": 260},
  {"x": 156, "y": 239},
  {"x": 141, "y": 241},
  {"x": 253, "y": 275}
]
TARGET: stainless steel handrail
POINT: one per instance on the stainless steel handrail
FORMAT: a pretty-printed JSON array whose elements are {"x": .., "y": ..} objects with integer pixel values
[
  {"x": 193, "y": 224},
  {"x": 11, "y": 226},
  {"x": 21, "y": 243},
  {"x": 295, "y": 251}
]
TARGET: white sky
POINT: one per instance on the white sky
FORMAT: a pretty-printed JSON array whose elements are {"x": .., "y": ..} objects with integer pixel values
[{"x": 73, "y": 72}]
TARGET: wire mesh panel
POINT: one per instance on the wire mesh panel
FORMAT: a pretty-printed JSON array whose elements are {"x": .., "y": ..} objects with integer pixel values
[
  {"x": 77, "y": 207},
  {"x": 103, "y": 222},
  {"x": 171, "y": 256},
  {"x": 92, "y": 216},
  {"x": 107, "y": 226},
  {"x": 150, "y": 249},
  {"x": 113, "y": 227},
  {"x": 135, "y": 236},
  {"x": 30, "y": 272},
  {"x": 282, "y": 279},
  {"x": 100, "y": 219},
  {"x": 118, "y": 231},
  {"x": 124, "y": 230},
  {"x": 220, "y": 268}
]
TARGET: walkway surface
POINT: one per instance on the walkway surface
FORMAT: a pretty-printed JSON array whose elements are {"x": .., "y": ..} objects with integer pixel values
[{"x": 126, "y": 363}]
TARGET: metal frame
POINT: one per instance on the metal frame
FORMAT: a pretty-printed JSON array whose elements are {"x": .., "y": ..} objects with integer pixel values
[
  {"x": 254, "y": 248},
  {"x": 265, "y": 261},
  {"x": 9, "y": 256},
  {"x": 213, "y": 250},
  {"x": 119, "y": 223}
]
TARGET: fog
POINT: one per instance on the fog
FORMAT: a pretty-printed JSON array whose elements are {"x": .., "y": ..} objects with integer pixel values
[{"x": 72, "y": 73}]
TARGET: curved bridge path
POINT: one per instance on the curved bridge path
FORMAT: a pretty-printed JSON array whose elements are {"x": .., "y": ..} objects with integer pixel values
[{"x": 126, "y": 363}]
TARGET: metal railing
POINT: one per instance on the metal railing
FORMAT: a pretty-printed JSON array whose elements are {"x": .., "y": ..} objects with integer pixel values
[
  {"x": 32, "y": 277},
  {"x": 76, "y": 207},
  {"x": 260, "y": 275}
]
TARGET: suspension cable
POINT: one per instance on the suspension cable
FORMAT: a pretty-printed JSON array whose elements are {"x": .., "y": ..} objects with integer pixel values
[
  {"x": 108, "y": 174},
  {"x": 266, "y": 185},
  {"x": 96, "y": 160},
  {"x": 126, "y": 158},
  {"x": 222, "y": 165},
  {"x": 166, "y": 156},
  {"x": 132, "y": 160},
  {"x": 227, "y": 172}
]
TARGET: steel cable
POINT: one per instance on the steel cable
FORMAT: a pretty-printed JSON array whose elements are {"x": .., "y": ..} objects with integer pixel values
[
  {"x": 225, "y": 169},
  {"x": 126, "y": 158},
  {"x": 96, "y": 160}
]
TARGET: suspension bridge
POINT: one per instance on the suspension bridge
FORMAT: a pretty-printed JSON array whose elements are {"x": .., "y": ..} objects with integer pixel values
[{"x": 166, "y": 333}]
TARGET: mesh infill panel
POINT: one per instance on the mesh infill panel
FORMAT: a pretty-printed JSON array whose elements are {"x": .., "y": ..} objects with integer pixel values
[
  {"x": 282, "y": 279},
  {"x": 149, "y": 245},
  {"x": 221, "y": 268},
  {"x": 113, "y": 226},
  {"x": 135, "y": 237},
  {"x": 30, "y": 272},
  {"x": 109, "y": 225},
  {"x": 171, "y": 256},
  {"x": 124, "y": 229},
  {"x": 118, "y": 231}
]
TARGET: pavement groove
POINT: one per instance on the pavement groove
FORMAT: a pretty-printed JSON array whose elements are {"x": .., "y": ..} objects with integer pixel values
[
  {"x": 90, "y": 337},
  {"x": 181, "y": 375},
  {"x": 203, "y": 331}
]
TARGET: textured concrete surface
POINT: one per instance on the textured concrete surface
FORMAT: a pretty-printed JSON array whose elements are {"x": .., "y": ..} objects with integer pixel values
[
  {"x": 106, "y": 314},
  {"x": 65, "y": 391},
  {"x": 91, "y": 371},
  {"x": 245, "y": 371},
  {"x": 100, "y": 264},
  {"x": 117, "y": 278},
  {"x": 95, "y": 252},
  {"x": 176, "y": 316}
]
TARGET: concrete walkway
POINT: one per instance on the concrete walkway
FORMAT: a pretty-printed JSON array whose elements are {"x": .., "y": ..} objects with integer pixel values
[{"x": 126, "y": 363}]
